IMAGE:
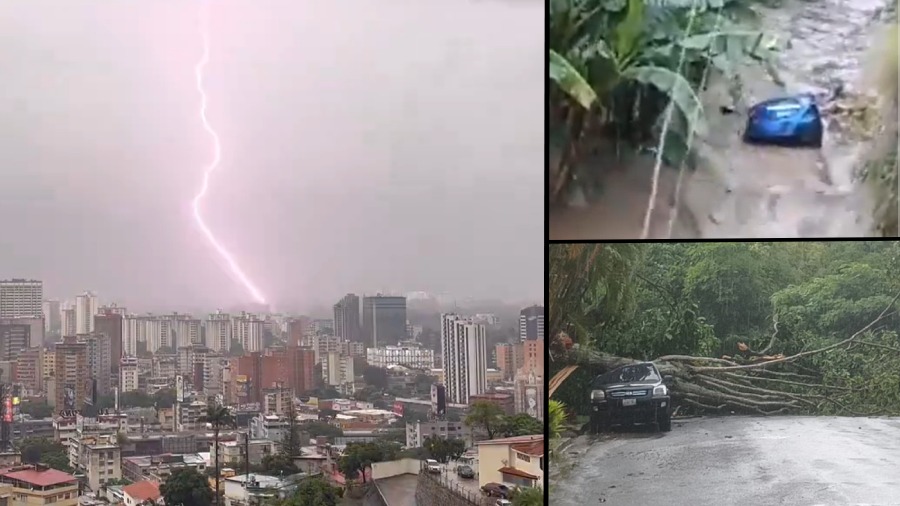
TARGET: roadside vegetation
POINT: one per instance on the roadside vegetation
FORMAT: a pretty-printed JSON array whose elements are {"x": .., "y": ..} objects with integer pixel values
[
  {"x": 621, "y": 69},
  {"x": 756, "y": 328}
]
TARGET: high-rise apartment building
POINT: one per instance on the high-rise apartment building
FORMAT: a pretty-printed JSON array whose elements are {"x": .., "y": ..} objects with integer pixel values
[
  {"x": 99, "y": 361},
  {"x": 464, "y": 355},
  {"x": 67, "y": 321},
  {"x": 218, "y": 332},
  {"x": 346, "y": 318},
  {"x": 29, "y": 370},
  {"x": 73, "y": 374},
  {"x": 337, "y": 371},
  {"x": 128, "y": 374},
  {"x": 14, "y": 337},
  {"x": 111, "y": 324},
  {"x": 21, "y": 298},
  {"x": 85, "y": 308},
  {"x": 52, "y": 321},
  {"x": 248, "y": 329},
  {"x": 531, "y": 323},
  {"x": 384, "y": 320},
  {"x": 186, "y": 332},
  {"x": 406, "y": 356}
]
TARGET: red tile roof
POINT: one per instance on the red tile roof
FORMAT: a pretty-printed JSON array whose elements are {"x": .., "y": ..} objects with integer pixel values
[
  {"x": 518, "y": 472},
  {"x": 143, "y": 490},
  {"x": 43, "y": 478},
  {"x": 534, "y": 448}
]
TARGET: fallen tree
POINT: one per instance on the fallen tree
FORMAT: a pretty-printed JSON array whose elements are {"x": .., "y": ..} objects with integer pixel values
[{"x": 749, "y": 381}]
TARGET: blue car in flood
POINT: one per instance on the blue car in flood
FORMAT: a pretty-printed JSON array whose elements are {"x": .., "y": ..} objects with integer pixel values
[{"x": 791, "y": 121}]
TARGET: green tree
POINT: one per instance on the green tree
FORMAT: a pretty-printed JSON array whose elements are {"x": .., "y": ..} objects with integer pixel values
[
  {"x": 164, "y": 398},
  {"x": 358, "y": 456},
  {"x": 376, "y": 377},
  {"x": 520, "y": 424},
  {"x": 188, "y": 487},
  {"x": 45, "y": 451},
  {"x": 313, "y": 492},
  {"x": 528, "y": 496},
  {"x": 219, "y": 417},
  {"x": 236, "y": 349},
  {"x": 36, "y": 409},
  {"x": 444, "y": 449},
  {"x": 486, "y": 416},
  {"x": 292, "y": 442},
  {"x": 279, "y": 465},
  {"x": 316, "y": 429}
]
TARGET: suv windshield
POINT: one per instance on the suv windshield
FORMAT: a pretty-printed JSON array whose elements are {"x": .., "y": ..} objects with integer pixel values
[{"x": 629, "y": 374}]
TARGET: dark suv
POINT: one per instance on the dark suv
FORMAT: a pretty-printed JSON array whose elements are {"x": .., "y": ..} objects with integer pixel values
[{"x": 631, "y": 394}]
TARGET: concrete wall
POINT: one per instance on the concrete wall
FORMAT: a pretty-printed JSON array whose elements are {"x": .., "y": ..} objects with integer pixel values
[
  {"x": 382, "y": 470},
  {"x": 373, "y": 497},
  {"x": 429, "y": 491}
]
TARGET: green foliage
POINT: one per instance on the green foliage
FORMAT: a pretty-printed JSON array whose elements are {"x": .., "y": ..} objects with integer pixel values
[
  {"x": 36, "y": 409},
  {"x": 486, "y": 416},
  {"x": 444, "y": 449},
  {"x": 45, "y": 451},
  {"x": 376, "y": 377},
  {"x": 358, "y": 456},
  {"x": 313, "y": 492},
  {"x": 292, "y": 442},
  {"x": 187, "y": 486},
  {"x": 520, "y": 424},
  {"x": 316, "y": 429},
  {"x": 620, "y": 64},
  {"x": 556, "y": 417},
  {"x": 529, "y": 496},
  {"x": 236, "y": 349},
  {"x": 279, "y": 465},
  {"x": 702, "y": 299}
]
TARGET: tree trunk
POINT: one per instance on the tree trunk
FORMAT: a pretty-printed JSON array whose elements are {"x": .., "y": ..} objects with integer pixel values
[{"x": 749, "y": 381}]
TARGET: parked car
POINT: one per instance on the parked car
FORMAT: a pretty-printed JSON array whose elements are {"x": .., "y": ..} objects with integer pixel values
[
  {"x": 465, "y": 472},
  {"x": 631, "y": 394},
  {"x": 432, "y": 466},
  {"x": 496, "y": 490},
  {"x": 503, "y": 502}
]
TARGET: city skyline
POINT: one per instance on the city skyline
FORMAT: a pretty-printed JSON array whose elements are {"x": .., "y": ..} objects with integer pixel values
[{"x": 326, "y": 186}]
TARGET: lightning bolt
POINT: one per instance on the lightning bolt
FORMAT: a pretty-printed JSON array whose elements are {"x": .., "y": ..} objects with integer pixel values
[{"x": 232, "y": 264}]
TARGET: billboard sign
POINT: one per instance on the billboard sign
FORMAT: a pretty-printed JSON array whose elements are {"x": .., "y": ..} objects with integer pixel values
[
  {"x": 7, "y": 409},
  {"x": 69, "y": 397},
  {"x": 179, "y": 388},
  {"x": 243, "y": 385},
  {"x": 438, "y": 399},
  {"x": 531, "y": 401},
  {"x": 398, "y": 408}
]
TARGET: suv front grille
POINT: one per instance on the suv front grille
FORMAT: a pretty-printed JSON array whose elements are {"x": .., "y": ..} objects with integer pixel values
[{"x": 628, "y": 393}]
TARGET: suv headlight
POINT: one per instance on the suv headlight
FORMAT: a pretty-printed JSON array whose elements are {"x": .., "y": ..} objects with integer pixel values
[
  {"x": 660, "y": 390},
  {"x": 598, "y": 395}
]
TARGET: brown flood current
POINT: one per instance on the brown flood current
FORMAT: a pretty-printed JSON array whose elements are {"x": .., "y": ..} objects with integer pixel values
[{"x": 740, "y": 190}]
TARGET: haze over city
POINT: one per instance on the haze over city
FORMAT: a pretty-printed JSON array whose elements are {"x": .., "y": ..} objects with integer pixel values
[{"x": 357, "y": 156}]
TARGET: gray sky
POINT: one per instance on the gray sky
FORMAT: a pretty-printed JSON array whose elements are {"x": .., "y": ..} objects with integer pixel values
[{"x": 367, "y": 144}]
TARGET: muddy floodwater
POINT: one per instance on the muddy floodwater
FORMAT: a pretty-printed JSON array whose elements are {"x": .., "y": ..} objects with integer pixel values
[{"x": 740, "y": 190}]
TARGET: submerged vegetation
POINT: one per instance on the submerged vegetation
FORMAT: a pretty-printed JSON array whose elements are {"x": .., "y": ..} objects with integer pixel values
[{"x": 626, "y": 72}]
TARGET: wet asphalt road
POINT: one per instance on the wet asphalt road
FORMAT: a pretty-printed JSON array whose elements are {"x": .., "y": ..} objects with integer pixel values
[{"x": 742, "y": 461}]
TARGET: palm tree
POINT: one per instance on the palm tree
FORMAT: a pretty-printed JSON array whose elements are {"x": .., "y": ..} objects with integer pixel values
[{"x": 218, "y": 416}]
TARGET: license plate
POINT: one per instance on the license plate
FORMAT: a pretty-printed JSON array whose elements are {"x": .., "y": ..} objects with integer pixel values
[{"x": 629, "y": 402}]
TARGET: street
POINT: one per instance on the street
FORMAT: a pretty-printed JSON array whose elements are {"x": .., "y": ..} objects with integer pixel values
[{"x": 738, "y": 460}]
